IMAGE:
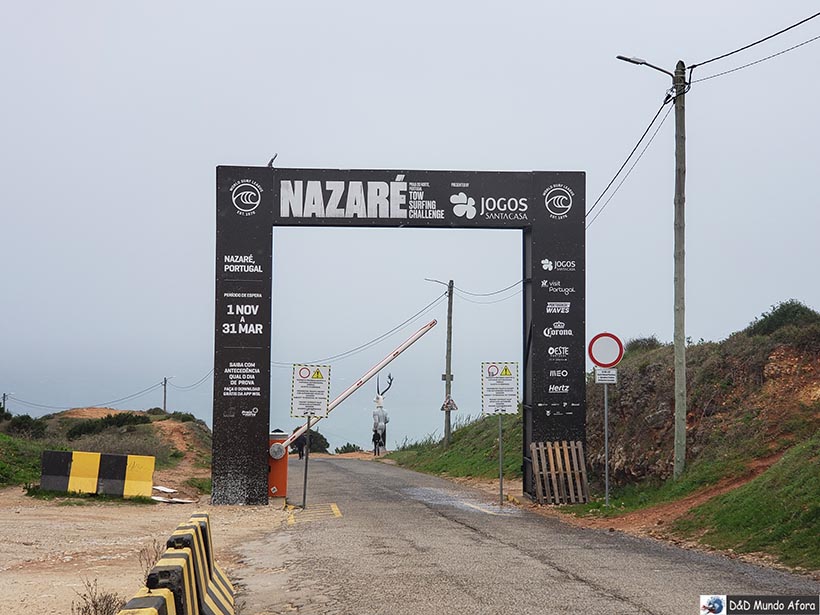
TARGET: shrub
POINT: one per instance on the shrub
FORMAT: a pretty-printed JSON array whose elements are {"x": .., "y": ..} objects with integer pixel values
[
  {"x": 155, "y": 411},
  {"x": 786, "y": 313},
  {"x": 348, "y": 448},
  {"x": 640, "y": 344},
  {"x": 93, "y": 601},
  {"x": 182, "y": 417},
  {"x": 25, "y": 426},
  {"x": 802, "y": 337},
  {"x": 92, "y": 426}
]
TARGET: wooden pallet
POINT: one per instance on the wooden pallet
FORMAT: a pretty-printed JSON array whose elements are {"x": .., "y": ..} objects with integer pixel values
[{"x": 560, "y": 472}]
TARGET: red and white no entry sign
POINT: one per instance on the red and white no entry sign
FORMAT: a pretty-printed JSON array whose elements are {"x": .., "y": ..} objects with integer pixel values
[{"x": 606, "y": 350}]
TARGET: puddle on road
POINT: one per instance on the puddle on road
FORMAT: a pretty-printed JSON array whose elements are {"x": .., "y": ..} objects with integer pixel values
[{"x": 444, "y": 497}]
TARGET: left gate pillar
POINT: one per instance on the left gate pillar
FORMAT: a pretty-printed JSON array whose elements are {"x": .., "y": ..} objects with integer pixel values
[{"x": 242, "y": 336}]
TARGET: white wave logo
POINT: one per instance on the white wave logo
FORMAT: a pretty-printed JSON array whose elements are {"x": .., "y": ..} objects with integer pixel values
[
  {"x": 463, "y": 205},
  {"x": 558, "y": 200},
  {"x": 246, "y": 195}
]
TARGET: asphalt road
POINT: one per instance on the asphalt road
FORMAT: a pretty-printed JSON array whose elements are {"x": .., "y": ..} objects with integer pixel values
[{"x": 377, "y": 539}]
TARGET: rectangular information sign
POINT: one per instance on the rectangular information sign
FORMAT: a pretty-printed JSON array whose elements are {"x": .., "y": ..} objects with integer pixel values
[
  {"x": 606, "y": 376},
  {"x": 310, "y": 390},
  {"x": 499, "y": 387}
]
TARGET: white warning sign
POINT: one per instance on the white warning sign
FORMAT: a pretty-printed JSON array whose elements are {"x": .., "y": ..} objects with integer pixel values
[
  {"x": 499, "y": 387},
  {"x": 310, "y": 390}
]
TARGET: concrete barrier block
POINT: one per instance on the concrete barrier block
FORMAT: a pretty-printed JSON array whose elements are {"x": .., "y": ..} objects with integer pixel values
[{"x": 150, "y": 602}]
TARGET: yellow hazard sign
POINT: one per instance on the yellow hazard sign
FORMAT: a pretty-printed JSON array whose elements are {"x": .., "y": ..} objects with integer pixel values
[
  {"x": 506, "y": 371},
  {"x": 317, "y": 375}
]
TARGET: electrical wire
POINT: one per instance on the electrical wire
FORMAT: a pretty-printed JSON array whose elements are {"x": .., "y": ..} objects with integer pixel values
[
  {"x": 637, "y": 160},
  {"x": 96, "y": 405},
  {"x": 634, "y": 149},
  {"x": 495, "y": 292},
  {"x": 190, "y": 387},
  {"x": 774, "y": 55},
  {"x": 348, "y": 353},
  {"x": 515, "y": 294},
  {"x": 762, "y": 40}
]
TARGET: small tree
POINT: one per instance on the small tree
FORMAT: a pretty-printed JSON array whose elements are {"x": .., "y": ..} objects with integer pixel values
[{"x": 318, "y": 443}]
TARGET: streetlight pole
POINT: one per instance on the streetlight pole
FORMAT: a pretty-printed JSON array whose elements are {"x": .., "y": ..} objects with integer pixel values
[
  {"x": 679, "y": 335},
  {"x": 448, "y": 376}
]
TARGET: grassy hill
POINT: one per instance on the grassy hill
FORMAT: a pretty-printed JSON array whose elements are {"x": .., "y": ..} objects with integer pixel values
[
  {"x": 473, "y": 452},
  {"x": 169, "y": 437},
  {"x": 753, "y": 398}
]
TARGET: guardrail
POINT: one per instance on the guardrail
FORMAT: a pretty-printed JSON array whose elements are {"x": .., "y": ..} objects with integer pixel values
[{"x": 186, "y": 579}]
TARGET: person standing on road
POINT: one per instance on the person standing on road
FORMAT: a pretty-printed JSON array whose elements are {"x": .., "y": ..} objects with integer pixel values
[{"x": 299, "y": 445}]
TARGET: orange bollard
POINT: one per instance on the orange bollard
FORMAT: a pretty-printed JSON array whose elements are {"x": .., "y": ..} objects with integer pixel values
[{"x": 277, "y": 468}]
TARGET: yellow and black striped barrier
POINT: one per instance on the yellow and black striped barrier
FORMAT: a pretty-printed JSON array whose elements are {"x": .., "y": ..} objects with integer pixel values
[
  {"x": 215, "y": 572},
  {"x": 101, "y": 473},
  {"x": 150, "y": 602},
  {"x": 187, "y": 576}
]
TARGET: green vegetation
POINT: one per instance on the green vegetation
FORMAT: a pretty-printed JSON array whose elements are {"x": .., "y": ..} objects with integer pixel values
[
  {"x": 94, "y": 426},
  {"x": 19, "y": 460},
  {"x": 778, "y": 512},
  {"x": 75, "y": 498},
  {"x": 203, "y": 484},
  {"x": 348, "y": 448},
  {"x": 641, "y": 344},
  {"x": 473, "y": 451},
  {"x": 789, "y": 313},
  {"x": 26, "y": 427}
]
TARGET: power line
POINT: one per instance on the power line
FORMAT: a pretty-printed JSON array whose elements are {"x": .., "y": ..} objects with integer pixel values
[
  {"x": 96, "y": 405},
  {"x": 774, "y": 55},
  {"x": 495, "y": 292},
  {"x": 637, "y": 160},
  {"x": 634, "y": 149},
  {"x": 376, "y": 340},
  {"x": 762, "y": 40},
  {"x": 461, "y": 296},
  {"x": 194, "y": 385}
]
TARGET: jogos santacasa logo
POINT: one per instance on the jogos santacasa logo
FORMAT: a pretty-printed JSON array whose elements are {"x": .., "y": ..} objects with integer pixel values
[
  {"x": 246, "y": 195},
  {"x": 558, "y": 200}
]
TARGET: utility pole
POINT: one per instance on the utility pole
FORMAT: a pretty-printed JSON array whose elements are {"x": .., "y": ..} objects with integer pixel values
[
  {"x": 679, "y": 336},
  {"x": 448, "y": 376},
  {"x": 679, "y": 82},
  {"x": 164, "y": 392}
]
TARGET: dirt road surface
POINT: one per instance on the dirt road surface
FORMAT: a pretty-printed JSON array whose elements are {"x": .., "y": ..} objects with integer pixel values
[{"x": 47, "y": 548}]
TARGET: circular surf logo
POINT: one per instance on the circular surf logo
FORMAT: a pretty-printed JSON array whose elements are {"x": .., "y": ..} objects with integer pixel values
[
  {"x": 246, "y": 195},
  {"x": 558, "y": 200}
]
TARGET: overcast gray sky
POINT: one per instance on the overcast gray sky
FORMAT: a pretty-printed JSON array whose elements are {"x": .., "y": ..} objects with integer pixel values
[{"x": 115, "y": 116}]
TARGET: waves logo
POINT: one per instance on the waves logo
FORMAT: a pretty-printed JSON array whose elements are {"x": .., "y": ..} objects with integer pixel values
[
  {"x": 558, "y": 201},
  {"x": 246, "y": 195}
]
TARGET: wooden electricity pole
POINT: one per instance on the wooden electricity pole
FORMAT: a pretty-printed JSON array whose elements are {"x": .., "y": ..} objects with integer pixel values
[
  {"x": 164, "y": 392},
  {"x": 679, "y": 82}
]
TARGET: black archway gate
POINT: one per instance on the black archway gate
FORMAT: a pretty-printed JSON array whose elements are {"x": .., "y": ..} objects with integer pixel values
[{"x": 548, "y": 207}]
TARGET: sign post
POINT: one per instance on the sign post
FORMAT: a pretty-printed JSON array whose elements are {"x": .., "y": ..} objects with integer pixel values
[
  {"x": 310, "y": 397},
  {"x": 499, "y": 395},
  {"x": 606, "y": 351}
]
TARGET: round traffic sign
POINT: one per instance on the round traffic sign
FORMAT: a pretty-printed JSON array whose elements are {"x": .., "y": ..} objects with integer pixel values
[{"x": 606, "y": 350}]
